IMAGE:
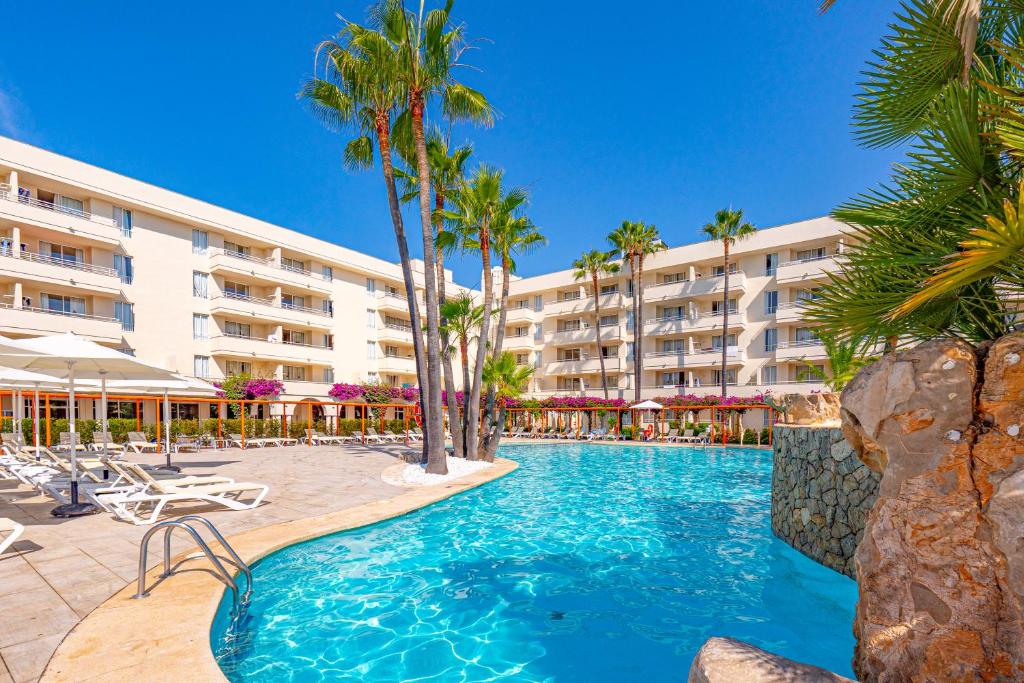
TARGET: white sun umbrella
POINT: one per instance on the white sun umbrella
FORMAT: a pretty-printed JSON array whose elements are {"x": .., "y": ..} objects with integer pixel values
[
  {"x": 647, "y": 405},
  {"x": 12, "y": 378},
  {"x": 179, "y": 384},
  {"x": 69, "y": 356}
]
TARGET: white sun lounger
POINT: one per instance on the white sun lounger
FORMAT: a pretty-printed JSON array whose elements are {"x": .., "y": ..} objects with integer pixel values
[{"x": 15, "y": 530}]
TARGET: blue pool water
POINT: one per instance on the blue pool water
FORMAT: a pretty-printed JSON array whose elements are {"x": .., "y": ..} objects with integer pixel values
[{"x": 588, "y": 563}]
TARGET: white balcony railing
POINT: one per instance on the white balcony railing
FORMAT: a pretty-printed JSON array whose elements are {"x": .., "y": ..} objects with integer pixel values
[
  {"x": 7, "y": 193},
  {"x": 246, "y": 257},
  {"x": 63, "y": 263},
  {"x": 66, "y": 314}
]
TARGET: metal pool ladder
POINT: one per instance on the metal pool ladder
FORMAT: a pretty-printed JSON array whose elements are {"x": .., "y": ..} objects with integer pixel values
[{"x": 189, "y": 523}]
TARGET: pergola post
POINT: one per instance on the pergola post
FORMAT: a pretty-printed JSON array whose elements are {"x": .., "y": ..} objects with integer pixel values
[
  {"x": 48, "y": 420},
  {"x": 159, "y": 420},
  {"x": 309, "y": 422},
  {"x": 242, "y": 412}
]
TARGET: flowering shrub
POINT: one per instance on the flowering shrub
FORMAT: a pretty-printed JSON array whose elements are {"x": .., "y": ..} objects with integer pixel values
[
  {"x": 246, "y": 387},
  {"x": 259, "y": 387},
  {"x": 345, "y": 392},
  {"x": 373, "y": 393},
  {"x": 690, "y": 400},
  {"x": 569, "y": 402}
]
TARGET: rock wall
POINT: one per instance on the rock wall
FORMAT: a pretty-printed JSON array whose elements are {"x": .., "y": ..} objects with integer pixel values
[
  {"x": 821, "y": 494},
  {"x": 940, "y": 568}
]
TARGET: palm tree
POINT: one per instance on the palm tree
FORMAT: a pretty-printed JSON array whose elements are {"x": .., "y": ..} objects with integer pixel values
[
  {"x": 729, "y": 227},
  {"x": 447, "y": 173},
  {"x": 596, "y": 264},
  {"x": 509, "y": 381},
  {"x": 635, "y": 240},
  {"x": 844, "y": 357},
  {"x": 428, "y": 47},
  {"x": 477, "y": 206},
  {"x": 461, "y": 321},
  {"x": 357, "y": 92}
]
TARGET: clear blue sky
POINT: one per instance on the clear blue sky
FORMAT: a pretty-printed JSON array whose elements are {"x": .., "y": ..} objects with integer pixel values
[{"x": 659, "y": 111}]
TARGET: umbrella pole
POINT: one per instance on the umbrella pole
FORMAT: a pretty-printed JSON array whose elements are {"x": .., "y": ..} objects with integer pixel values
[
  {"x": 103, "y": 422},
  {"x": 74, "y": 508},
  {"x": 167, "y": 434},
  {"x": 15, "y": 415},
  {"x": 35, "y": 423}
]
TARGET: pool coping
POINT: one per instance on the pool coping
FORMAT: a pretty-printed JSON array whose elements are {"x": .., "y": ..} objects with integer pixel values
[{"x": 166, "y": 636}]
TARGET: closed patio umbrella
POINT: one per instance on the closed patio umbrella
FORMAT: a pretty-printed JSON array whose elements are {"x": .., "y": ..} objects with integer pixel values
[{"x": 69, "y": 356}]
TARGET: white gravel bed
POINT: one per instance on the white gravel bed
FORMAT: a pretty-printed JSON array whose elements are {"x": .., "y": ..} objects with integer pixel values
[{"x": 416, "y": 475}]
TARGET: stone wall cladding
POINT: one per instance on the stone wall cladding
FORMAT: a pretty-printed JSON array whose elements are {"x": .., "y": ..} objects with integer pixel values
[{"x": 821, "y": 494}]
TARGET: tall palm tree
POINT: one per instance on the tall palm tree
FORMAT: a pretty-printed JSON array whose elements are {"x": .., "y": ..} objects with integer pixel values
[
  {"x": 634, "y": 241},
  {"x": 447, "y": 173},
  {"x": 596, "y": 264},
  {"x": 509, "y": 381},
  {"x": 462, "y": 322},
  {"x": 358, "y": 92},
  {"x": 728, "y": 228},
  {"x": 477, "y": 206},
  {"x": 428, "y": 47}
]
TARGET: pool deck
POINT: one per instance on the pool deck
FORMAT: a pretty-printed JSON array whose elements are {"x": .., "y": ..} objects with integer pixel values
[{"x": 61, "y": 570}]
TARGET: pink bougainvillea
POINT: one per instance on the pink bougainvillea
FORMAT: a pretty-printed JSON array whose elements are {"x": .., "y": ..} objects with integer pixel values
[
  {"x": 373, "y": 393},
  {"x": 259, "y": 387}
]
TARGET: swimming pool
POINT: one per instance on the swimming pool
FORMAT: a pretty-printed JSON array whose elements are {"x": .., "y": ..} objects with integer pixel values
[{"x": 588, "y": 563}]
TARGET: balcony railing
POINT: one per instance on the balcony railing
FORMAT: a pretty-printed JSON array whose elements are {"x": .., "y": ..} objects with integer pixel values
[
  {"x": 12, "y": 196},
  {"x": 63, "y": 263},
  {"x": 809, "y": 259},
  {"x": 295, "y": 269},
  {"x": 238, "y": 296},
  {"x": 733, "y": 313},
  {"x": 67, "y": 314},
  {"x": 243, "y": 256},
  {"x": 272, "y": 340},
  {"x": 803, "y": 343},
  {"x": 307, "y": 309}
]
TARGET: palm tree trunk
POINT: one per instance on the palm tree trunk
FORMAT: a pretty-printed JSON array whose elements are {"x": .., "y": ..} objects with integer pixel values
[
  {"x": 436, "y": 461},
  {"x": 473, "y": 401},
  {"x": 466, "y": 386},
  {"x": 600, "y": 349},
  {"x": 384, "y": 147},
  {"x": 725, "y": 314},
  {"x": 636, "y": 331},
  {"x": 493, "y": 439},
  {"x": 499, "y": 338},
  {"x": 639, "y": 362},
  {"x": 455, "y": 421}
]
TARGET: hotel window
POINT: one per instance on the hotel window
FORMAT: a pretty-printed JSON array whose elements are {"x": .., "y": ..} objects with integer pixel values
[
  {"x": 184, "y": 411},
  {"x": 537, "y": 358},
  {"x": 293, "y": 337},
  {"x": 371, "y": 350},
  {"x": 328, "y": 341},
  {"x": 328, "y": 307},
  {"x": 669, "y": 278},
  {"x": 522, "y": 358},
  {"x": 771, "y": 339},
  {"x": 771, "y": 264},
  {"x": 629, "y": 321},
  {"x": 523, "y": 331},
  {"x": 730, "y": 376},
  {"x": 200, "y": 326},
  {"x": 716, "y": 307},
  {"x": 610, "y": 289},
  {"x": 201, "y": 366},
  {"x": 371, "y": 285},
  {"x": 520, "y": 304},
  {"x": 805, "y": 335},
  {"x": 811, "y": 254},
  {"x": 609, "y": 320},
  {"x": 769, "y": 374},
  {"x": 200, "y": 284},
  {"x": 292, "y": 301},
  {"x": 123, "y": 220},
  {"x": 238, "y": 367},
  {"x": 718, "y": 271},
  {"x": 328, "y": 375},
  {"x": 328, "y": 273},
  {"x": 716, "y": 341},
  {"x": 609, "y": 352},
  {"x": 125, "y": 268},
  {"x": 125, "y": 314},
  {"x": 807, "y": 294},
  {"x": 69, "y": 205},
  {"x": 236, "y": 249},
  {"x": 200, "y": 242},
  {"x": 673, "y": 313},
  {"x": 392, "y": 351},
  {"x": 538, "y": 303},
  {"x": 70, "y": 256},
  {"x": 569, "y": 325},
  {"x": 629, "y": 287},
  {"x": 630, "y": 350},
  {"x": 538, "y": 332},
  {"x": 121, "y": 410},
  {"x": 572, "y": 384},
  {"x": 673, "y": 346},
  {"x": 570, "y": 354},
  {"x": 294, "y": 373},
  {"x": 673, "y": 379},
  {"x": 236, "y": 290},
  {"x": 571, "y": 295},
  {"x": 371, "y": 318},
  {"x": 293, "y": 264},
  {"x": 58, "y": 303},
  {"x": 233, "y": 329},
  {"x": 771, "y": 301}
]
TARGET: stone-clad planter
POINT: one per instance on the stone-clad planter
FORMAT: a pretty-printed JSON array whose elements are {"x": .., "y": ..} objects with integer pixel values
[{"x": 821, "y": 494}]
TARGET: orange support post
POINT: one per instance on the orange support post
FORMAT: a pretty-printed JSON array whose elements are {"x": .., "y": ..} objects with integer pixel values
[
  {"x": 284, "y": 422},
  {"x": 138, "y": 416},
  {"x": 309, "y": 422},
  {"x": 220, "y": 420},
  {"x": 242, "y": 404},
  {"x": 47, "y": 420},
  {"x": 406, "y": 415},
  {"x": 362, "y": 425}
]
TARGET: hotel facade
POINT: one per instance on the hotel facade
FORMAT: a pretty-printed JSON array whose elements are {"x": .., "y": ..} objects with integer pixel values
[{"x": 209, "y": 292}]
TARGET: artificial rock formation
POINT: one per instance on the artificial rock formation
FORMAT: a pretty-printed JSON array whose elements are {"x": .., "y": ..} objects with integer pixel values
[
  {"x": 940, "y": 568},
  {"x": 811, "y": 409},
  {"x": 724, "y": 660}
]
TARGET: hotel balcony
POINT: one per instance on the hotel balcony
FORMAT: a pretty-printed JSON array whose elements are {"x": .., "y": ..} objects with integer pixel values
[
  {"x": 262, "y": 348},
  {"x": 268, "y": 309},
  {"x": 523, "y": 341},
  {"x": 789, "y": 312},
  {"x": 48, "y": 215},
  {"x": 518, "y": 316},
  {"x": 700, "y": 323},
  {"x": 397, "y": 365},
  {"x": 609, "y": 304},
  {"x": 386, "y": 301},
  {"x": 38, "y": 321},
  {"x": 584, "y": 366},
  {"x": 585, "y": 335},
  {"x": 298, "y": 390},
  {"x": 691, "y": 288},
  {"x": 60, "y": 272},
  {"x": 700, "y": 358},
  {"x": 227, "y": 262},
  {"x": 395, "y": 333},
  {"x": 806, "y": 270},
  {"x": 810, "y": 349}
]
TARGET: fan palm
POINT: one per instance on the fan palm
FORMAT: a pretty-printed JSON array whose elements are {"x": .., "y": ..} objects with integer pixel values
[
  {"x": 634, "y": 241},
  {"x": 509, "y": 381},
  {"x": 357, "y": 92},
  {"x": 844, "y": 358},
  {"x": 728, "y": 228},
  {"x": 427, "y": 47},
  {"x": 462, "y": 322},
  {"x": 596, "y": 264},
  {"x": 477, "y": 207}
]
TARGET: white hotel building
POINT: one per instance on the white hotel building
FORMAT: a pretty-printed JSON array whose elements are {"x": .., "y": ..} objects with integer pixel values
[{"x": 208, "y": 292}]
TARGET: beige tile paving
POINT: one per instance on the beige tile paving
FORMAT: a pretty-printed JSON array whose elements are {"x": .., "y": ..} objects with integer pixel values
[{"x": 61, "y": 570}]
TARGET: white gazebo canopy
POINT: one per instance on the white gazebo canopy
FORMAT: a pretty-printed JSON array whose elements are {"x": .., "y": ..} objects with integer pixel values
[{"x": 647, "y": 405}]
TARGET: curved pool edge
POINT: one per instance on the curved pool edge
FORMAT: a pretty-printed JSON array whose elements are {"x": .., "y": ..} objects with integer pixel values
[{"x": 166, "y": 637}]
